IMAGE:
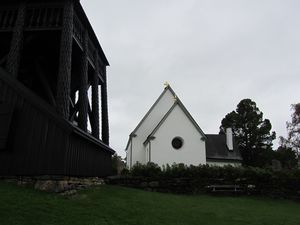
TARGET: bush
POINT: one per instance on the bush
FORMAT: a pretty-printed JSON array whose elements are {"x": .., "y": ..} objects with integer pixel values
[
  {"x": 148, "y": 170},
  {"x": 282, "y": 183}
]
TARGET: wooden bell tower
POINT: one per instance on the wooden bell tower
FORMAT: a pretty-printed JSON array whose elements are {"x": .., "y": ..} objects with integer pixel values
[
  {"x": 50, "y": 62},
  {"x": 51, "y": 48}
]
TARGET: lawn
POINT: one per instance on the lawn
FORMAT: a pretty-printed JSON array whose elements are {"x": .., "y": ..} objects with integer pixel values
[{"x": 117, "y": 205}]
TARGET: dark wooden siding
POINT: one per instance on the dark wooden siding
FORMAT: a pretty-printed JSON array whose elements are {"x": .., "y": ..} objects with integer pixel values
[
  {"x": 40, "y": 142},
  {"x": 82, "y": 157},
  {"x": 5, "y": 121}
]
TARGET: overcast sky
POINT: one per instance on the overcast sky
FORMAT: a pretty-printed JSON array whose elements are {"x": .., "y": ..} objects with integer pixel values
[{"x": 213, "y": 53}]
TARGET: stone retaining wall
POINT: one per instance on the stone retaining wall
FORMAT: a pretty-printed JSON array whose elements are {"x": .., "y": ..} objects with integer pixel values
[{"x": 56, "y": 184}]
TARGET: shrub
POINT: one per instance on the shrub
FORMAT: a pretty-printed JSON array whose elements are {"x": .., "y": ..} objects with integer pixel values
[
  {"x": 266, "y": 182},
  {"x": 149, "y": 170}
]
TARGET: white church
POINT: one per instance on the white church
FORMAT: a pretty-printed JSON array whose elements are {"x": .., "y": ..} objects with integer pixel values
[{"x": 168, "y": 134}]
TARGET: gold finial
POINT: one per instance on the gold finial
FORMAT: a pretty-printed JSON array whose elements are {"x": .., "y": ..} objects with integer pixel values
[
  {"x": 175, "y": 98},
  {"x": 166, "y": 84}
]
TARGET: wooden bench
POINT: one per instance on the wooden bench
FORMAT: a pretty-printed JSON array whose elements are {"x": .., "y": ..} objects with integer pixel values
[{"x": 225, "y": 188}]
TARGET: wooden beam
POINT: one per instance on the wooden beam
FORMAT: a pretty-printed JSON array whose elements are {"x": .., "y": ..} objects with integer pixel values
[
  {"x": 104, "y": 106},
  {"x": 95, "y": 99},
  {"x": 65, "y": 60},
  {"x": 14, "y": 55},
  {"x": 83, "y": 85}
]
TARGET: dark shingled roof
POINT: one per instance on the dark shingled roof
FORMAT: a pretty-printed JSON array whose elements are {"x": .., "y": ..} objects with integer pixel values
[{"x": 216, "y": 148}]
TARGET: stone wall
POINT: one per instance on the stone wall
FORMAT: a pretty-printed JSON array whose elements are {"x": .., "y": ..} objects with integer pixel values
[{"x": 56, "y": 184}]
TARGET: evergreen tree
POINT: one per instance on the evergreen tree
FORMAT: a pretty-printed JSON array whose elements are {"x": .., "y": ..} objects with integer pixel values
[{"x": 252, "y": 132}]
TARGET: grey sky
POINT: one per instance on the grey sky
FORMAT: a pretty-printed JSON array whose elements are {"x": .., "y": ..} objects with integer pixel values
[{"x": 213, "y": 53}]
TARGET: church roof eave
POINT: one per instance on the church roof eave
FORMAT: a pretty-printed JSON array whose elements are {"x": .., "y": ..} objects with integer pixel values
[
  {"x": 152, "y": 107},
  {"x": 186, "y": 112}
]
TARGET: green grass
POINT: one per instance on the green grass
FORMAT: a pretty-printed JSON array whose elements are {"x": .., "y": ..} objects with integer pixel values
[{"x": 117, "y": 205}]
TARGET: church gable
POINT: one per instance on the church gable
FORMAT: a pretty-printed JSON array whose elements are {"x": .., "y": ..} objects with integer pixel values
[
  {"x": 179, "y": 114},
  {"x": 135, "y": 150},
  {"x": 177, "y": 139},
  {"x": 154, "y": 115}
]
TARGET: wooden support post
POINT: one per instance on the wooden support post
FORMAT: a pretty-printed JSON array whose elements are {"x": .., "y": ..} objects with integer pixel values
[
  {"x": 104, "y": 106},
  {"x": 65, "y": 61},
  {"x": 95, "y": 99},
  {"x": 83, "y": 85},
  {"x": 14, "y": 55}
]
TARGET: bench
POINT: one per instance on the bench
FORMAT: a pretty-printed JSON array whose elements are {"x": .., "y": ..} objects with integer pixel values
[{"x": 225, "y": 188}]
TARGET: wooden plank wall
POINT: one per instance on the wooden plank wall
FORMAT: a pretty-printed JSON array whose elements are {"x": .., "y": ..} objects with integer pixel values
[{"x": 41, "y": 143}]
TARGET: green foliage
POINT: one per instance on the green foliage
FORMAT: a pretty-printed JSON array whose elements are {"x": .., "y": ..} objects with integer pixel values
[
  {"x": 287, "y": 157},
  {"x": 148, "y": 170},
  {"x": 252, "y": 132},
  {"x": 118, "y": 165},
  {"x": 176, "y": 170},
  {"x": 125, "y": 171},
  {"x": 179, "y": 178}
]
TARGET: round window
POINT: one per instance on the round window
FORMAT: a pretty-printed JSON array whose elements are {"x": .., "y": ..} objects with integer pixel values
[{"x": 177, "y": 142}]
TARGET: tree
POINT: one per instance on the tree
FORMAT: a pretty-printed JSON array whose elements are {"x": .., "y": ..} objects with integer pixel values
[
  {"x": 287, "y": 157},
  {"x": 117, "y": 164},
  {"x": 293, "y": 128},
  {"x": 252, "y": 132}
]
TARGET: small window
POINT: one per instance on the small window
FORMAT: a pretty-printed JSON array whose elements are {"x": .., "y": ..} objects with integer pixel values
[{"x": 177, "y": 142}]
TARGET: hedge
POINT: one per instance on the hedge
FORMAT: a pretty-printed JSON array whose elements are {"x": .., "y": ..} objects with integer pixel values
[{"x": 179, "y": 178}]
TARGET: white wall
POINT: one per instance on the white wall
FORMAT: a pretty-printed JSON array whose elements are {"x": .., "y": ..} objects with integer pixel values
[
  {"x": 156, "y": 114},
  {"x": 178, "y": 124},
  {"x": 147, "y": 152},
  {"x": 128, "y": 154}
]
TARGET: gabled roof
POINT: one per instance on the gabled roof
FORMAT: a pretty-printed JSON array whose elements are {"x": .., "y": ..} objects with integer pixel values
[
  {"x": 167, "y": 87},
  {"x": 177, "y": 101},
  {"x": 216, "y": 148},
  {"x": 152, "y": 107},
  {"x": 186, "y": 112}
]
